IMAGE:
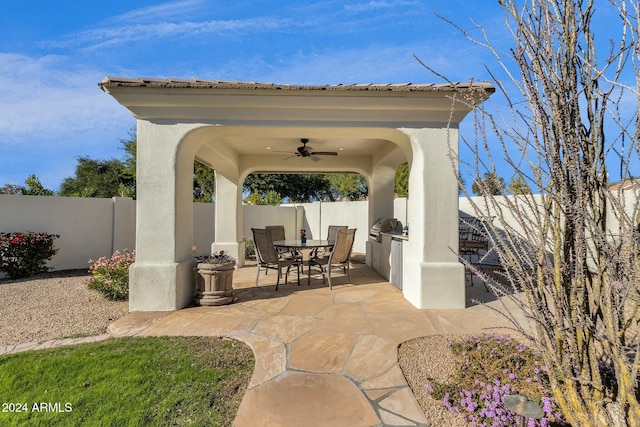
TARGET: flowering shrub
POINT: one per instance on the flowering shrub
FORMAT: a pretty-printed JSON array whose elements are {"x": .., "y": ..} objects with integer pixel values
[
  {"x": 492, "y": 367},
  {"x": 110, "y": 276},
  {"x": 25, "y": 254},
  {"x": 217, "y": 258}
]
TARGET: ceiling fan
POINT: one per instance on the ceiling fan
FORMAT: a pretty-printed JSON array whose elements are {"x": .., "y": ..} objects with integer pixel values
[{"x": 305, "y": 151}]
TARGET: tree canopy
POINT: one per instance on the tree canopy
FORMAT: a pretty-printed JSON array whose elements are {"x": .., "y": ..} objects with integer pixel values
[
  {"x": 491, "y": 184},
  {"x": 204, "y": 183},
  {"x": 117, "y": 177},
  {"x": 294, "y": 188},
  {"x": 348, "y": 186},
  {"x": 402, "y": 180},
  {"x": 303, "y": 188},
  {"x": 96, "y": 178},
  {"x": 270, "y": 198},
  {"x": 33, "y": 188}
]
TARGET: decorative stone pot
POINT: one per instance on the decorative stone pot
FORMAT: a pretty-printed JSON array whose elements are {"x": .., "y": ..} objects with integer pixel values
[{"x": 214, "y": 284}]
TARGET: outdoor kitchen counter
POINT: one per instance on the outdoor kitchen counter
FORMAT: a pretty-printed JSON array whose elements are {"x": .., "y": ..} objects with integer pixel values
[{"x": 384, "y": 254}]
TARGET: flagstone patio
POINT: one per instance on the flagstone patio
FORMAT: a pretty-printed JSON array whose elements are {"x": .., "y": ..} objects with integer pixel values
[{"x": 322, "y": 357}]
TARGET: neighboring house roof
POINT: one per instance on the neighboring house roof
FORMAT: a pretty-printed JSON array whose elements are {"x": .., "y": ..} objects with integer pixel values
[
  {"x": 627, "y": 184},
  {"x": 220, "y": 84}
]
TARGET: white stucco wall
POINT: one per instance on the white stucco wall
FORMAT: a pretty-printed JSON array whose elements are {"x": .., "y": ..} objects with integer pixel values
[
  {"x": 261, "y": 216},
  {"x": 91, "y": 227},
  {"x": 351, "y": 214},
  {"x": 85, "y": 225},
  {"x": 318, "y": 216},
  {"x": 631, "y": 200}
]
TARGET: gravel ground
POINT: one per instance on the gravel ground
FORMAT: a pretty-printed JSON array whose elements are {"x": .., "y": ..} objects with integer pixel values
[
  {"x": 424, "y": 358},
  {"x": 52, "y": 306},
  {"x": 59, "y": 305}
]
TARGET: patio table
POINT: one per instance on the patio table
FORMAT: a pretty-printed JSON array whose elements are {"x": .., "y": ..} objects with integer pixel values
[{"x": 298, "y": 245}]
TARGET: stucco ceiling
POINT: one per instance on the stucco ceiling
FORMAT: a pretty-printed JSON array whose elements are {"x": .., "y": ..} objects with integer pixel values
[
  {"x": 285, "y": 146},
  {"x": 273, "y": 148}
]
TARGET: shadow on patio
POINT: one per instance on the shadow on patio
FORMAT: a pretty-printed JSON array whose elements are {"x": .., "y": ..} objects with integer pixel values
[{"x": 244, "y": 282}]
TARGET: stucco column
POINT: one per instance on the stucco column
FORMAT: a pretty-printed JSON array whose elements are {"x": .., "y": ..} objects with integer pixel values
[
  {"x": 228, "y": 231},
  {"x": 432, "y": 275},
  {"x": 162, "y": 276},
  {"x": 381, "y": 193}
]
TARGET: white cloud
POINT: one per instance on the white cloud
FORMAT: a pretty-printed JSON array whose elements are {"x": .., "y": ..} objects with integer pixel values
[
  {"x": 42, "y": 100},
  {"x": 122, "y": 33},
  {"x": 171, "y": 10},
  {"x": 376, "y": 5},
  {"x": 371, "y": 64}
]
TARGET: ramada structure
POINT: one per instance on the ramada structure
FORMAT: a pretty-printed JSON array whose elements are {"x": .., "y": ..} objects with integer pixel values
[{"x": 238, "y": 128}]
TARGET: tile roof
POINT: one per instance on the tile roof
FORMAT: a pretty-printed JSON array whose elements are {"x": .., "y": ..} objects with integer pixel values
[
  {"x": 221, "y": 84},
  {"x": 626, "y": 184}
]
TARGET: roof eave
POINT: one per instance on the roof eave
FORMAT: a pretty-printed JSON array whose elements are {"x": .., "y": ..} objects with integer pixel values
[{"x": 172, "y": 83}]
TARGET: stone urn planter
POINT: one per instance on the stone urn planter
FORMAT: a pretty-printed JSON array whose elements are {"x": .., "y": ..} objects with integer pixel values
[{"x": 214, "y": 284}]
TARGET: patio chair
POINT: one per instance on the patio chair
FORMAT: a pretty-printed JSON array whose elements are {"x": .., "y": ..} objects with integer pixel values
[
  {"x": 268, "y": 258},
  {"x": 277, "y": 233},
  {"x": 332, "y": 233},
  {"x": 340, "y": 256},
  {"x": 472, "y": 243}
]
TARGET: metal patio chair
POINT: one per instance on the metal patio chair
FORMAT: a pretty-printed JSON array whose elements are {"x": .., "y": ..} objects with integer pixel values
[
  {"x": 332, "y": 233},
  {"x": 340, "y": 256},
  {"x": 472, "y": 243},
  {"x": 268, "y": 258},
  {"x": 277, "y": 233}
]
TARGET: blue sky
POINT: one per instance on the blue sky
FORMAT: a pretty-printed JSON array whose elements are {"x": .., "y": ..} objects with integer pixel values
[{"x": 53, "y": 54}]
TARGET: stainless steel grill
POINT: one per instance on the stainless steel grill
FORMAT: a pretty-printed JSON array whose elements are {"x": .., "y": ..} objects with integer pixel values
[{"x": 384, "y": 225}]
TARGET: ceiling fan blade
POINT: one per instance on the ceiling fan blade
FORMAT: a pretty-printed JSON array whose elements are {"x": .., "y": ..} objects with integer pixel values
[
  {"x": 291, "y": 156},
  {"x": 324, "y": 153},
  {"x": 314, "y": 158}
]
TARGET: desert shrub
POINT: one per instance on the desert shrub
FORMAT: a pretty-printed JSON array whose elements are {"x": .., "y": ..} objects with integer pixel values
[
  {"x": 563, "y": 129},
  {"x": 110, "y": 276},
  {"x": 23, "y": 254},
  {"x": 249, "y": 248},
  {"x": 492, "y": 367}
]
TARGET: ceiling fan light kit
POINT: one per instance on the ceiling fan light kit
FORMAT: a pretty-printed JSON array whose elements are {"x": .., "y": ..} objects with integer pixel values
[{"x": 305, "y": 151}]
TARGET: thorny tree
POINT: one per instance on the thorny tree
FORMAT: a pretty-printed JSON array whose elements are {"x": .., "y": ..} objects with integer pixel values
[{"x": 573, "y": 248}]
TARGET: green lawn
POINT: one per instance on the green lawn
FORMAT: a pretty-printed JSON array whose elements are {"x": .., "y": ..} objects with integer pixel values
[{"x": 163, "y": 381}]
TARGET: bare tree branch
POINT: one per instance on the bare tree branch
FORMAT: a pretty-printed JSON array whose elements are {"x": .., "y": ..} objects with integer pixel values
[{"x": 570, "y": 251}]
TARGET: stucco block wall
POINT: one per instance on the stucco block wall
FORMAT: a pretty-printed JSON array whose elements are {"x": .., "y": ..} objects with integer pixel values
[
  {"x": 124, "y": 223},
  {"x": 90, "y": 227},
  {"x": 261, "y": 216},
  {"x": 630, "y": 202},
  {"x": 85, "y": 226},
  {"x": 318, "y": 216},
  {"x": 351, "y": 214}
]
